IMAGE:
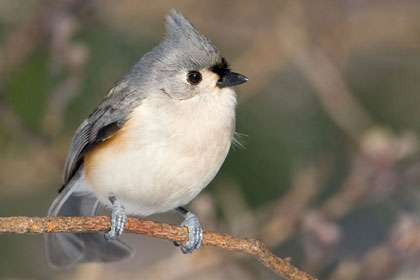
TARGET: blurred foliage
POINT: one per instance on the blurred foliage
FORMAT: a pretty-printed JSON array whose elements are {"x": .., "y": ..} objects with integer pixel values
[
  {"x": 26, "y": 90},
  {"x": 330, "y": 172}
]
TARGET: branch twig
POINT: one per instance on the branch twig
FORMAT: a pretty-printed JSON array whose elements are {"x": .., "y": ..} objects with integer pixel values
[{"x": 250, "y": 246}]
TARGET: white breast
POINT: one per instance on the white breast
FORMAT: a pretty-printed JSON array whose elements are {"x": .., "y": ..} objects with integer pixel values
[{"x": 172, "y": 150}]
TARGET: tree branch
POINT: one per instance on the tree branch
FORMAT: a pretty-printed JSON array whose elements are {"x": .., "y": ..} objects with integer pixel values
[{"x": 251, "y": 246}]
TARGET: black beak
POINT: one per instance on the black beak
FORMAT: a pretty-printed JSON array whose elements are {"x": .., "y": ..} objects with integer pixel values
[{"x": 231, "y": 79}]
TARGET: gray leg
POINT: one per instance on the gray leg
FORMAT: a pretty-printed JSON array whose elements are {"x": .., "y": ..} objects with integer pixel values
[
  {"x": 194, "y": 229},
  {"x": 118, "y": 220}
]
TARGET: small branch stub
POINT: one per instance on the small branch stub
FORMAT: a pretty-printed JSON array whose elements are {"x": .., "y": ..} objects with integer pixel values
[{"x": 251, "y": 246}]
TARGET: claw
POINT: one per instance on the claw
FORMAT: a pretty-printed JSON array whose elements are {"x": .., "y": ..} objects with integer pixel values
[
  {"x": 118, "y": 220},
  {"x": 195, "y": 233}
]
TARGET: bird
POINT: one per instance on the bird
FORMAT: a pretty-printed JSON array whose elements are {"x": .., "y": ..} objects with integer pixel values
[{"x": 156, "y": 140}]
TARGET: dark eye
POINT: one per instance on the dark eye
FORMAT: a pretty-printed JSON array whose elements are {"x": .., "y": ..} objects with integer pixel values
[{"x": 194, "y": 77}]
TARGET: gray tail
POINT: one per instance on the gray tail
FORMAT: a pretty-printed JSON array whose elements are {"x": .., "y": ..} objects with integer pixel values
[{"x": 67, "y": 249}]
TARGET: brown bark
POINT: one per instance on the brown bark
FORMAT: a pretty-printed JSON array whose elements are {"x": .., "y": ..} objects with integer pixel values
[{"x": 251, "y": 246}]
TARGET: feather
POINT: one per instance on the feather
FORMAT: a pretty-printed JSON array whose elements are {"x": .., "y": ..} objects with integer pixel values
[
  {"x": 66, "y": 249},
  {"x": 102, "y": 124}
]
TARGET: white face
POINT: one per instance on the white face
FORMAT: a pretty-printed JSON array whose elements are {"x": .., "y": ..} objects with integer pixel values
[
  {"x": 187, "y": 84},
  {"x": 208, "y": 82}
]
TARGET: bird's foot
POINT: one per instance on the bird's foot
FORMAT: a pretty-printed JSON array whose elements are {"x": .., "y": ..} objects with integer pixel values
[
  {"x": 118, "y": 220},
  {"x": 195, "y": 232}
]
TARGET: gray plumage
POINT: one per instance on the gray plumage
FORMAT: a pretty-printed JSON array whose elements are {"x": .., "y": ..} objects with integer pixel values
[
  {"x": 184, "y": 48},
  {"x": 66, "y": 249},
  {"x": 156, "y": 76},
  {"x": 107, "y": 119}
]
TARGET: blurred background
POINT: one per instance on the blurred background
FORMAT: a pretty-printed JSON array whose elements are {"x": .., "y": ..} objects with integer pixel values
[{"x": 330, "y": 172}]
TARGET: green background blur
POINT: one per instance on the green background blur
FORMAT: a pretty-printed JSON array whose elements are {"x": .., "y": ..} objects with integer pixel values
[{"x": 329, "y": 119}]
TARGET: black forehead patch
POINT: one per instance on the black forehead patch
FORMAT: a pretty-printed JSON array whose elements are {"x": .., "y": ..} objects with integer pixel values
[{"x": 221, "y": 68}]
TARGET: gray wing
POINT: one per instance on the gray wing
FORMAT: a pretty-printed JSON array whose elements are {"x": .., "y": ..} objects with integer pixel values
[{"x": 104, "y": 121}]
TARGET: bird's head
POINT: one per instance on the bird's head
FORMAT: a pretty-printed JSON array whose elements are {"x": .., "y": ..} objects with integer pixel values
[{"x": 186, "y": 63}]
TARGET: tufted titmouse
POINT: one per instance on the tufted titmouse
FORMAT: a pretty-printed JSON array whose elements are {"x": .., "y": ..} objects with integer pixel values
[{"x": 157, "y": 139}]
